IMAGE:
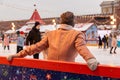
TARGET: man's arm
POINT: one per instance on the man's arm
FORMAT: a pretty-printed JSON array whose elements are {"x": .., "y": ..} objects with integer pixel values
[{"x": 81, "y": 47}]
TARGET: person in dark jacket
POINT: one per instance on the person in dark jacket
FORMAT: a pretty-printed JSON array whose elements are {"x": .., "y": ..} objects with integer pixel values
[
  {"x": 100, "y": 42},
  {"x": 34, "y": 37},
  {"x": 2, "y": 40},
  {"x": 104, "y": 40}
]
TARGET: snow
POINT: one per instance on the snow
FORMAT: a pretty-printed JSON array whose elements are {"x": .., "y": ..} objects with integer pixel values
[
  {"x": 10, "y": 31},
  {"x": 82, "y": 26},
  {"x": 43, "y": 28},
  {"x": 25, "y": 29}
]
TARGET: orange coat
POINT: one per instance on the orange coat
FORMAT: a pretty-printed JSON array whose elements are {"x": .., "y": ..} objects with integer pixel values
[{"x": 62, "y": 44}]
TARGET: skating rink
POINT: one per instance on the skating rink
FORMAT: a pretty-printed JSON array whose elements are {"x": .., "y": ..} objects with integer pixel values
[{"x": 103, "y": 56}]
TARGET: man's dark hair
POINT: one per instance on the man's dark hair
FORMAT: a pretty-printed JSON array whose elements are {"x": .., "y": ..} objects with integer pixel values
[{"x": 67, "y": 18}]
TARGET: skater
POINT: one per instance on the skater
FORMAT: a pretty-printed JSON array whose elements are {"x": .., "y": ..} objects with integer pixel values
[
  {"x": 113, "y": 44},
  {"x": 100, "y": 42},
  {"x": 33, "y": 37},
  {"x": 20, "y": 41},
  {"x": 104, "y": 40},
  {"x": 6, "y": 41}
]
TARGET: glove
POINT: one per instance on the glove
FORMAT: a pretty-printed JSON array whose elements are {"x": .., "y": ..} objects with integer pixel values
[
  {"x": 92, "y": 64},
  {"x": 10, "y": 57}
]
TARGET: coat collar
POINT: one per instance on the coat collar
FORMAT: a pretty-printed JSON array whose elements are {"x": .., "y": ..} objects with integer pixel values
[{"x": 65, "y": 26}]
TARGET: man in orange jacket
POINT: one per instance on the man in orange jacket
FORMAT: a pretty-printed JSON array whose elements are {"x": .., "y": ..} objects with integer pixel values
[{"x": 62, "y": 44}]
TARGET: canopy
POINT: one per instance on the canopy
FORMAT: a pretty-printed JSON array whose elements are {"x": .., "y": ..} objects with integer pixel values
[
  {"x": 43, "y": 28},
  {"x": 25, "y": 29},
  {"x": 83, "y": 26},
  {"x": 10, "y": 31}
]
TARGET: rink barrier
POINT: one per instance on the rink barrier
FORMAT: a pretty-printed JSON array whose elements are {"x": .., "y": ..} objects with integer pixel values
[{"x": 106, "y": 71}]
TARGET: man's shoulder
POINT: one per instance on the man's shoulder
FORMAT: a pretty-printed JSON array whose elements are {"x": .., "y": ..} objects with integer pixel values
[
  {"x": 77, "y": 32},
  {"x": 52, "y": 31}
]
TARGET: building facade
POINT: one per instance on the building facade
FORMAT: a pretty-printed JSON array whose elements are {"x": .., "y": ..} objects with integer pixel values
[
  {"x": 108, "y": 8},
  {"x": 112, "y": 7}
]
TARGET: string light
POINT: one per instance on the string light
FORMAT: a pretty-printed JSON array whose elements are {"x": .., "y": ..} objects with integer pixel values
[
  {"x": 54, "y": 23},
  {"x": 13, "y": 26},
  {"x": 112, "y": 17},
  {"x": 112, "y": 22},
  {"x": 23, "y": 8},
  {"x": 114, "y": 26},
  {"x": 107, "y": 21},
  {"x": 92, "y": 19}
]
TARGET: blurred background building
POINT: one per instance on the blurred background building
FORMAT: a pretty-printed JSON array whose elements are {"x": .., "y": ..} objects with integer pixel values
[{"x": 108, "y": 9}]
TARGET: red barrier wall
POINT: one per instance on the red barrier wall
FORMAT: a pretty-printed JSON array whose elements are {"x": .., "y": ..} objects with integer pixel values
[{"x": 79, "y": 68}]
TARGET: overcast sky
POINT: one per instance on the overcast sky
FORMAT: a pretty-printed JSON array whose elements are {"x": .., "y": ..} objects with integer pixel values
[{"x": 23, "y": 9}]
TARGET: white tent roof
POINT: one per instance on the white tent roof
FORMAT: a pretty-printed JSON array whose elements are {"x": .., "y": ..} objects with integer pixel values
[
  {"x": 43, "y": 28},
  {"x": 10, "y": 31},
  {"x": 25, "y": 29},
  {"x": 83, "y": 26}
]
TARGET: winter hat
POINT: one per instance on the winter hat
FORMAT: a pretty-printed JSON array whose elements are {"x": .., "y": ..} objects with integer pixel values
[
  {"x": 37, "y": 23},
  {"x": 21, "y": 32}
]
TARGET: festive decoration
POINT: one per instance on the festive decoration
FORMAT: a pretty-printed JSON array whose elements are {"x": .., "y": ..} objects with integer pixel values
[
  {"x": 13, "y": 26},
  {"x": 23, "y": 73},
  {"x": 54, "y": 23},
  {"x": 48, "y": 76},
  {"x": 98, "y": 22},
  {"x": 113, "y": 20}
]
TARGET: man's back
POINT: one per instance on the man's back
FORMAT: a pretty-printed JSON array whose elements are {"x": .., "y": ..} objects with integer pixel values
[{"x": 62, "y": 44}]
